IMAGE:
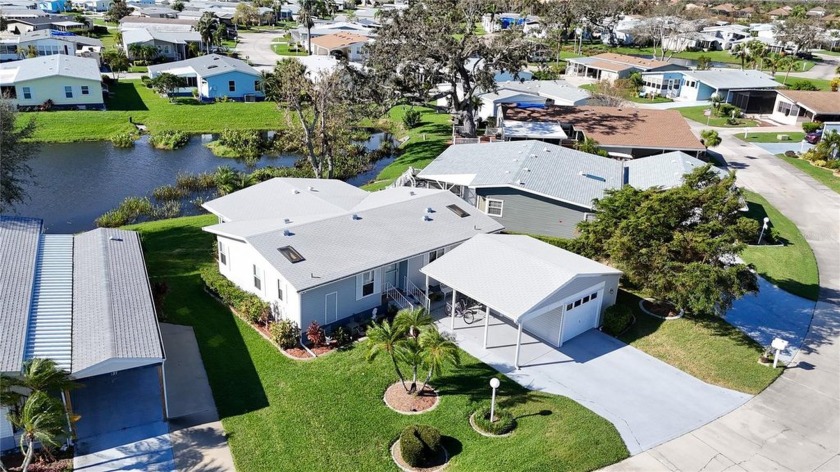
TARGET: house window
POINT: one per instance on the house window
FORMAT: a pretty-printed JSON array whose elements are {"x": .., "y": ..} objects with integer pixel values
[
  {"x": 191, "y": 81},
  {"x": 222, "y": 255},
  {"x": 280, "y": 290},
  {"x": 256, "y": 85},
  {"x": 27, "y": 93},
  {"x": 435, "y": 254},
  {"x": 593, "y": 296},
  {"x": 494, "y": 207},
  {"x": 68, "y": 91},
  {"x": 367, "y": 283},
  {"x": 257, "y": 278},
  {"x": 232, "y": 85},
  {"x": 85, "y": 90}
]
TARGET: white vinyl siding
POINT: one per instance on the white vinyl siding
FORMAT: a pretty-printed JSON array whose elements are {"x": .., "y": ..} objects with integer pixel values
[{"x": 257, "y": 278}]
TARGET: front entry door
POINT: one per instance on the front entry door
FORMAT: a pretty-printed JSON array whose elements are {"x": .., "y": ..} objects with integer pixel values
[
  {"x": 331, "y": 307},
  {"x": 391, "y": 275}
]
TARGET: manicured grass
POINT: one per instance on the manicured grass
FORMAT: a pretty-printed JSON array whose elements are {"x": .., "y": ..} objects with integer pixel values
[
  {"x": 138, "y": 69},
  {"x": 791, "y": 267},
  {"x": 794, "y": 137},
  {"x": 696, "y": 114},
  {"x": 133, "y": 100},
  {"x": 425, "y": 143},
  {"x": 821, "y": 175},
  {"x": 708, "y": 348},
  {"x": 328, "y": 414},
  {"x": 636, "y": 98},
  {"x": 283, "y": 49},
  {"x": 821, "y": 84}
]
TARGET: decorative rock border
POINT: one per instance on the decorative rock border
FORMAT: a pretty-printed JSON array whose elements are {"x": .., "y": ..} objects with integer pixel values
[
  {"x": 385, "y": 400},
  {"x": 649, "y": 313},
  {"x": 396, "y": 457},
  {"x": 485, "y": 433}
]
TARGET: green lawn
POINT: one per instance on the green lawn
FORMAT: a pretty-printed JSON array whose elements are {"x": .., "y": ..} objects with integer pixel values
[
  {"x": 328, "y": 414},
  {"x": 425, "y": 143},
  {"x": 696, "y": 114},
  {"x": 821, "y": 84},
  {"x": 133, "y": 100},
  {"x": 283, "y": 49},
  {"x": 708, "y": 348},
  {"x": 792, "y": 267},
  {"x": 794, "y": 137},
  {"x": 822, "y": 175},
  {"x": 138, "y": 69}
]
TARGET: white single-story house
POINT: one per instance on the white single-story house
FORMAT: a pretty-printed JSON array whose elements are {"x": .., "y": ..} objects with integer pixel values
[
  {"x": 691, "y": 40},
  {"x": 610, "y": 66},
  {"x": 557, "y": 92},
  {"x": 624, "y": 132},
  {"x": 69, "y": 82},
  {"x": 552, "y": 293},
  {"x": 95, "y": 5},
  {"x": 533, "y": 187},
  {"x": 85, "y": 302},
  {"x": 793, "y": 106},
  {"x": 215, "y": 76},
  {"x": 530, "y": 24},
  {"x": 172, "y": 45},
  {"x": 46, "y": 43},
  {"x": 749, "y": 90},
  {"x": 341, "y": 45},
  {"x": 159, "y": 24},
  {"x": 729, "y": 34},
  {"x": 324, "y": 250}
]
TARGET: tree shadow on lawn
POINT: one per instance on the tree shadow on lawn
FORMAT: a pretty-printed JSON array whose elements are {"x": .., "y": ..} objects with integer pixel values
[
  {"x": 757, "y": 212},
  {"x": 125, "y": 98}
]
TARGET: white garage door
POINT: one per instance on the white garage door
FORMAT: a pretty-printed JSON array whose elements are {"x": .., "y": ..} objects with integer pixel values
[
  {"x": 547, "y": 326},
  {"x": 581, "y": 315}
]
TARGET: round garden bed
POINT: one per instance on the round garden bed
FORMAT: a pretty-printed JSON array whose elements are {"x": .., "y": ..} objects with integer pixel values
[
  {"x": 663, "y": 311},
  {"x": 504, "y": 423},
  {"x": 396, "y": 456},
  {"x": 397, "y": 399}
]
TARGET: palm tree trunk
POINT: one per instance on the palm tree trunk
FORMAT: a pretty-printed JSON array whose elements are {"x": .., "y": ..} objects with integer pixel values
[
  {"x": 399, "y": 372},
  {"x": 426, "y": 382},
  {"x": 30, "y": 450}
]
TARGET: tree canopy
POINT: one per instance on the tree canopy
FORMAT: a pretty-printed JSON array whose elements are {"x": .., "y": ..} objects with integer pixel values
[
  {"x": 15, "y": 174},
  {"x": 434, "y": 42},
  {"x": 676, "y": 245},
  {"x": 118, "y": 10}
]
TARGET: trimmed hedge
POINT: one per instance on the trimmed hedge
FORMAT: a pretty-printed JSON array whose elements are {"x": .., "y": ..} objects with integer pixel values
[
  {"x": 617, "y": 318},
  {"x": 505, "y": 422},
  {"x": 285, "y": 333},
  {"x": 420, "y": 445},
  {"x": 248, "y": 305}
]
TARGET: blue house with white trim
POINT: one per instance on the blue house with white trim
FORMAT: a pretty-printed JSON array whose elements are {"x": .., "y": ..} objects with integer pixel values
[
  {"x": 747, "y": 89},
  {"x": 215, "y": 76}
]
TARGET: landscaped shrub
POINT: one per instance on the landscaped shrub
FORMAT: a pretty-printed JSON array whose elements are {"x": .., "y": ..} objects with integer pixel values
[
  {"x": 617, "y": 318},
  {"x": 224, "y": 288},
  {"x": 412, "y": 118},
  {"x": 803, "y": 85},
  {"x": 790, "y": 154},
  {"x": 315, "y": 334},
  {"x": 726, "y": 110},
  {"x": 341, "y": 336},
  {"x": 169, "y": 139},
  {"x": 285, "y": 333},
  {"x": 503, "y": 424},
  {"x": 123, "y": 140},
  {"x": 168, "y": 192},
  {"x": 253, "y": 309},
  {"x": 811, "y": 126},
  {"x": 420, "y": 445}
]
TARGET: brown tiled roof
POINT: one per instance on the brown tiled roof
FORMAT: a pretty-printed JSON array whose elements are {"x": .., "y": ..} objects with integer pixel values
[
  {"x": 632, "y": 127},
  {"x": 338, "y": 40},
  {"x": 725, "y": 7},
  {"x": 821, "y": 103},
  {"x": 611, "y": 66},
  {"x": 631, "y": 60}
]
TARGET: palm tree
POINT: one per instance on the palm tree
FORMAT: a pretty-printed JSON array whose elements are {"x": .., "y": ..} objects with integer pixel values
[
  {"x": 306, "y": 19},
  {"x": 757, "y": 50},
  {"x": 135, "y": 50},
  {"x": 386, "y": 338},
  {"x": 206, "y": 27},
  {"x": 225, "y": 179},
  {"x": 41, "y": 421},
  {"x": 829, "y": 144},
  {"x": 740, "y": 51},
  {"x": 438, "y": 351},
  {"x": 787, "y": 64},
  {"x": 774, "y": 62},
  {"x": 410, "y": 353},
  {"x": 413, "y": 321}
]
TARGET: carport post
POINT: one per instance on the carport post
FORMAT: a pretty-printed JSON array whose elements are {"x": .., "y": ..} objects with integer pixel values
[
  {"x": 486, "y": 325},
  {"x": 518, "y": 345},
  {"x": 452, "y": 312},
  {"x": 428, "y": 300}
]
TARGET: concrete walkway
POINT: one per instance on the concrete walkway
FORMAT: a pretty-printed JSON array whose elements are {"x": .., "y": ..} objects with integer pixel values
[
  {"x": 198, "y": 440},
  {"x": 795, "y": 423},
  {"x": 647, "y": 400}
]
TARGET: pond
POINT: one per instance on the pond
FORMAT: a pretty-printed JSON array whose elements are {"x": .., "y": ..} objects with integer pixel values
[{"x": 77, "y": 182}]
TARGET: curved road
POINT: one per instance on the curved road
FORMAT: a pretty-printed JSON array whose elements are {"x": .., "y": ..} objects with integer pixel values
[
  {"x": 795, "y": 423},
  {"x": 256, "y": 48}
]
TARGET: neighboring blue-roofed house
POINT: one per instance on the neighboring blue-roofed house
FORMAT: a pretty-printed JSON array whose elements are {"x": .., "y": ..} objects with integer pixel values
[
  {"x": 215, "y": 76},
  {"x": 53, "y": 6}
]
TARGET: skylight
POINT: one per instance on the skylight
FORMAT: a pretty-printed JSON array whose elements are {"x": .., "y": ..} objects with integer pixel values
[
  {"x": 458, "y": 210},
  {"x": 291, "y": 254}
]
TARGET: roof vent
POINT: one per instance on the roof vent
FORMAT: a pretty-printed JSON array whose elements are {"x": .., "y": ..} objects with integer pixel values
[
  {"x": 311, "y": 188},
  {"x": 534, "y": 156},
  {"x": 526, "y": 169},
  {"x": 521, "y": 182},
  {"x": 287, "y": 220},
  {"x": 582, "y": 174},
  {"x": 355, "y": 217},
  {"x": 427, "y": 218},
  {"x": 412, "y": 193},
  {"x": 429, "y": 210},
  {"x": 287, "y": 232},
  {"x": 114, "y": 238},
  {"x": 545, "y": 149},
  {"x": 295, "y": 191}
]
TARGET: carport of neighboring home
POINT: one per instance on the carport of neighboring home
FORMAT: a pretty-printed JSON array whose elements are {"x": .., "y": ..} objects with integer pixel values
[{"x": 553, "y": 294}]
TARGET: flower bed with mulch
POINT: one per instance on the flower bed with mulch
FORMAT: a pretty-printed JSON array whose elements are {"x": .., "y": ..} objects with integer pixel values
[
  {"x": 662, "y": 310},
  {"x": 63, "y": 461},
  {"x": 396, "y": 455},
  {"x": 399, "y": 400}
]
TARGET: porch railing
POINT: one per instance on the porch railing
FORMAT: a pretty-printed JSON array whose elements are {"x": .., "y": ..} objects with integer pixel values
[
  {"x": 414, "y": 292},
  {"x": 394, "y": 294}
]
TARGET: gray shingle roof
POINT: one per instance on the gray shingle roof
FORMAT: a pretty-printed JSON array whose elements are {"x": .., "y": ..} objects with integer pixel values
[
  {"x": 663, "y": 170},
  {"x": 55, "y": 65},
  {"x": 532, "y": 166},
  {"x": 511, "y": 273},
  {"x": 206, "y": 66},
  {"x": 560, "y": 91},
  {"x": 728, "y": 79},
  {"x": 113, "y": 311},
  {"x": 391, "y": 227},
  {"x": 287, "y": 198},
  {"x": 18, "y": 248}
]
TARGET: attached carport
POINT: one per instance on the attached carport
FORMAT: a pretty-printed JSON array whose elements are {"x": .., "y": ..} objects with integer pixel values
[{"x": 551, "y": 293}]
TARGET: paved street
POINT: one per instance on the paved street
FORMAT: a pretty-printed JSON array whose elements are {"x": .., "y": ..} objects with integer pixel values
[
  {"x": 795, "y": 423},
  {"x": 256, "y": 48}
]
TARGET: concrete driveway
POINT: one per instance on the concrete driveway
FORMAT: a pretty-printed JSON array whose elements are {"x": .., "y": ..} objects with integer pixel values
[
  {"x": 647, "y": 400},
  {"x": 256, "y": 48}
]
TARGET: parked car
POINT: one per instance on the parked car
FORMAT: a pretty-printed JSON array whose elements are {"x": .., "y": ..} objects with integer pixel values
[
  {"x": 804, "y": 55},
  {"x": 814, "y": 138}
]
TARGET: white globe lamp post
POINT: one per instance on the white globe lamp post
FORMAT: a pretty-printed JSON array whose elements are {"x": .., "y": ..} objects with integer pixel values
[{"x": 494, "y": 384}]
